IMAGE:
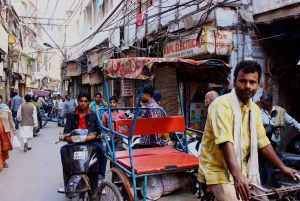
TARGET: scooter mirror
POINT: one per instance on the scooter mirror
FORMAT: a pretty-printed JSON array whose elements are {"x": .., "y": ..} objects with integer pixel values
[{"x": 273, "y": 113}]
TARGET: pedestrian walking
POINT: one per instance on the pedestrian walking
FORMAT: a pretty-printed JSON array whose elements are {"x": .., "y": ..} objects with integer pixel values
[
  {"x": 15, "y": 104},
  {"x": 6, "y": 123},
  {"x": 68, "y": 106},
  {"x": 28, "y": 117}
]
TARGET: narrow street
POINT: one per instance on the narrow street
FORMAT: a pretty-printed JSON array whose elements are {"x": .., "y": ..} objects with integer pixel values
[{"x": 35, "y": 175}]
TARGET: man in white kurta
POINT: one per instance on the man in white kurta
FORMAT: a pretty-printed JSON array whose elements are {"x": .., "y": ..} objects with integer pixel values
[{"x": 27, "y": 117}]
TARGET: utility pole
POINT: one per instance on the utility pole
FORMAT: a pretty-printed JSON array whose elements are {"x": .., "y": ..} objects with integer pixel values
[{"x": 9, "y": 56}]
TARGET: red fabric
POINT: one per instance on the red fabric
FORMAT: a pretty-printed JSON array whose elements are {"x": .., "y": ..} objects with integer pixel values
[
  {"x": 140, "y": 19},
  {"x": 140, "y": 67},
  {"x": 5, "y": 144},
  {"x": 82, "y": 122}
]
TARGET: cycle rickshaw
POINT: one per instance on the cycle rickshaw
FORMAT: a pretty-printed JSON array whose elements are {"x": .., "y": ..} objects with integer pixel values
[{"x": 134, "y": 164}]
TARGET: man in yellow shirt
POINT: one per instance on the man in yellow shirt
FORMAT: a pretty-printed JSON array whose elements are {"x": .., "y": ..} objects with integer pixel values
[{"x": 223, "y": 158}]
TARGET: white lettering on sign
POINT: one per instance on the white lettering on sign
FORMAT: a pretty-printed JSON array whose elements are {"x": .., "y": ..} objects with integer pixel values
[
  {"x": 127, "y": 88},
  {"x": 212, "y": 41}
]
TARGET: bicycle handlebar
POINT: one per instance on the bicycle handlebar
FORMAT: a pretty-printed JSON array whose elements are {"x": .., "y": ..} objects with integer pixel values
[{"x": 274, "y": 191}]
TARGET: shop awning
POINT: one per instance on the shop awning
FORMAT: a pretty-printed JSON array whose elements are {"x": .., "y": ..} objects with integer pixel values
[
  {"x": 41, "y": 75},
  {"x": 142, "y": 68}
]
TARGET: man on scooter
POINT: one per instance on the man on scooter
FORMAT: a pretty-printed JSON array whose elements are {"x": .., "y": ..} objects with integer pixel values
[{"x": 84, "y": 118}]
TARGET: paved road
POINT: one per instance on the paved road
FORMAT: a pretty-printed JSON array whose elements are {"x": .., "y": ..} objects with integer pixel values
[{"x": 35, "y": 175}]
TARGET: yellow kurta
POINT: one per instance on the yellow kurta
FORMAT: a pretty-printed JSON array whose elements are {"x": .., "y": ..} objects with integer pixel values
[{"x": 219, "y": 129}]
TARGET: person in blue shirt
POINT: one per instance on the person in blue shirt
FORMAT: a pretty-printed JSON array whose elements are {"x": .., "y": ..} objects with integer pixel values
[
  {"x": 15, "y": 104},
  {"x": 98, "y": 103}
]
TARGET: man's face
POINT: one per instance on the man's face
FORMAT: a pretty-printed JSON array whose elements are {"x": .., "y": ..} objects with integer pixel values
[
  {"x": 68, "y": 98},
  {"x": 145, "y": 98},
  {"x": 113, "y": 104},
  {"x": 246, "y": 85},
  {"x": 207, "y": 101},
  {"x": 265, "y": 104},
  {"x": 63, "y": 99},
  {"x": 98, "y": 98},
  {"x": 83, "y": 103}
]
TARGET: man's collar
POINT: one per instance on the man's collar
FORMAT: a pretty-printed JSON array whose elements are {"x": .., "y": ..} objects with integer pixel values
[
  {"x": 242, "y": 104},
  {"x": 87, "y": 111}
]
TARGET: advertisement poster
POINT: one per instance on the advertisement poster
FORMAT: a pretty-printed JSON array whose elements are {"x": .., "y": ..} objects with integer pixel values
[{"x": 197, "y": 108}]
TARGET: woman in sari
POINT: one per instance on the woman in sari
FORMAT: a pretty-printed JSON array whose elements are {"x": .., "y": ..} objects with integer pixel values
[{"x": 6, "y": 123}]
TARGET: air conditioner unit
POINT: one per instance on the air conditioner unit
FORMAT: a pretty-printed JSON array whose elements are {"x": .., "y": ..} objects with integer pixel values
[{"x": 32, "y": 44}]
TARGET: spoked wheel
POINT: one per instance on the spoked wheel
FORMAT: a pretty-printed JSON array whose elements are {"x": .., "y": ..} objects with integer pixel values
[
  {"x": 208, "y": 197},
  {"x": 123, "y": 182},
  {"x": 109, "y": 192}
]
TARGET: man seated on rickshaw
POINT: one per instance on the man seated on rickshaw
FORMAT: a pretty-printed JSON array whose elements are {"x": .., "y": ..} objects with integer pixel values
[{"x": 147, "y": 141}]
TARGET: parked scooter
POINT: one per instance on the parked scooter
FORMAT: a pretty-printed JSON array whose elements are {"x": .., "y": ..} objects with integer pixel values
[{"x": 80, "y": 166}]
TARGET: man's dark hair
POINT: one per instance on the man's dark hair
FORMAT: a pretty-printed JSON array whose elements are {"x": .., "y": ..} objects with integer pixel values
[
  {"x": 14, "y": 93},
  {"x": 113, "y": 98},
  {"x": 247, "y": 67},
  {"x": 267, "y": 97},
  {"x": 27, "y": 97},
  {"x": 1, "y": 97},
  {"x": 85, "y": 95},
  {"x": 98, "y": 94},
  {"x": 149, "y": 90}
]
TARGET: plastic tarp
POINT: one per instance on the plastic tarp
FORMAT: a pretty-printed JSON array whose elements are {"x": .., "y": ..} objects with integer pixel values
[
  {"x": 142, "y": 68},
  {"x": 41, "y": 75}
]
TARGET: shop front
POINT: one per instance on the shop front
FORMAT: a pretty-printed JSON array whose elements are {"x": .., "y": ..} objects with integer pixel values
[
  {"x": 212, "y": 44},
  {"x": 72, "y": 72}
]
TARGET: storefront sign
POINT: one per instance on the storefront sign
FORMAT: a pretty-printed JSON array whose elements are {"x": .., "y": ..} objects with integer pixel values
[
  {"x": 95, "y": 78},
  {"x": 262, "y": 6},
  {"x": 31, "y": 83},
  {"x": 85, "y": 78},
  {"x": 212, "y": 41},
  {"x": 3, "y": 40},
  {"x": 73, "y": 69},
  {"x": 127, "y": 89},
  {"x": 103, "y": 56}
]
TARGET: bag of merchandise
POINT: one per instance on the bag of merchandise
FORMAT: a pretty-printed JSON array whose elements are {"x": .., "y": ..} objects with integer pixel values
[{"x": 16, "y": 143}]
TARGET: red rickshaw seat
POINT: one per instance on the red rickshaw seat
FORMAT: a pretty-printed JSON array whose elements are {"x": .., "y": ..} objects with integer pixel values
[
  {"x": 146, "y": 152},
  {"x": 161, "y": 162},
  {"x": 148, "y": 126}
]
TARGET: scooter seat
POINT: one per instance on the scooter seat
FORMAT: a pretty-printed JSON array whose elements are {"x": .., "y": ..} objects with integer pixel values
[{"x": 290, "y": 160}]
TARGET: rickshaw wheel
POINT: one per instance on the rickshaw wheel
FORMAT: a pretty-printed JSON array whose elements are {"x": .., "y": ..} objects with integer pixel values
[{"x": 126, "y": 187}]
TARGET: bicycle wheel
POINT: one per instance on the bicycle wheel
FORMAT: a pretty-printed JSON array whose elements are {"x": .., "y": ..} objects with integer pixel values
[
  {"x": 109, "y": 192},
  {"x": 123, "y": 182}
]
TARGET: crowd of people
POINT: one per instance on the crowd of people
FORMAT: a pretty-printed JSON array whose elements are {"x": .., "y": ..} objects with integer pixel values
[{"x": 234, "y": 131}]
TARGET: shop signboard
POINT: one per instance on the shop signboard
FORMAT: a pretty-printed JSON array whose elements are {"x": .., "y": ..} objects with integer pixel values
[
  {"x": 31, "y": 83},
  {"x": 85, "y": 78},
  {"x": 127, "y": 89},
  {"x": 73, "y": 69},
  {"x": 95, "y": 78},
  {"x": 3, "y": 40},
  {"x": 212, "y": 41},
  {"x": 262, "y": 6}
]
